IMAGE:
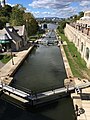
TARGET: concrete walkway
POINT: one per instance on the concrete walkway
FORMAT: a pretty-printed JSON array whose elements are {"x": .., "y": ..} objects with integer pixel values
[
  {"x": 1, "y": 64},
  {"x": 82, "y": 100},
  {"x": 10, "y": 68}
]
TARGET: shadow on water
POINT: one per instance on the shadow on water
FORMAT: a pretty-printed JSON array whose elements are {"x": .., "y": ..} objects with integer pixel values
[
  {"x": 47, "y": 112},
  {"x": 10, "y": 112}
]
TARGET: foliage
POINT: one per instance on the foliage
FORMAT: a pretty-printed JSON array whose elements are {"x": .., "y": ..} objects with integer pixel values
[
  {"x": 3, "y": 21},
  {"x": 5, "y": 11},
  {"x": 17, "y": 15},
  {"x": 5, "y": 58},
  {"x": 81, "y": 14},
  {"x": 31, "y": 23},
  {"x": 76, "y": 17},
  {"x": 5, "y": 15},
  {"x": 61, "y": 26}
]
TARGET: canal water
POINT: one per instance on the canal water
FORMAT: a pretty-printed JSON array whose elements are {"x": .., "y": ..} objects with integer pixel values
[{"x": 42, "y": 70}]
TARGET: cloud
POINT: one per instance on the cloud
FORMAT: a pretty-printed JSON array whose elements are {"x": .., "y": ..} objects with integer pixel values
[
  {"x": 54, "y": 4},
  {"x": 60, "y": 8},
  {"x": 44, "y": 14},
  {"x": 85, "y": 3}
]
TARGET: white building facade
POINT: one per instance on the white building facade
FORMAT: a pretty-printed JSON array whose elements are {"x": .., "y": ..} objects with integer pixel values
[{"x": 79, "y": 34}]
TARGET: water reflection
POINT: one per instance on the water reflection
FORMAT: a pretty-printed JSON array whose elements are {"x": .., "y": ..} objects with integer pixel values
[{"x": 44, "y": 67}]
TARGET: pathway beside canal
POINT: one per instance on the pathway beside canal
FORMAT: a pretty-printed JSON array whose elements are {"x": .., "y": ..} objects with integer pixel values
[
  {"x": 1, "y": 64},
  {"x": 10, "y": 68}
]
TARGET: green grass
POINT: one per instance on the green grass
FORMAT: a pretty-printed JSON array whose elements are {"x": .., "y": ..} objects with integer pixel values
[
  {"x": 77, "y": 64},
  {"x": 72, "y": 65},
  {"x": 5, "y": 58}
]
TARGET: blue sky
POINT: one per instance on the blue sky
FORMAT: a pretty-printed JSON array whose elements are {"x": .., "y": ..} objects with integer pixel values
[{"x": 53, "y": 8}]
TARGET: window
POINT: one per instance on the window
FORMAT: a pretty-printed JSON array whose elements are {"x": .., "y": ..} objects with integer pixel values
[
  {"x": 78, "y": 42},
  {"x": 87, "y": 53},
  {"x": 81, "y": 46}
]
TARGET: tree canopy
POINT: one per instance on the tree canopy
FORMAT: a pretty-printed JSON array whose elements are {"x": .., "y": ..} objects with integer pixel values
[
  {"x": 16, "y": 17},
  {"x": 76, "y": 17},
  {"x": 31, "y": 23}
]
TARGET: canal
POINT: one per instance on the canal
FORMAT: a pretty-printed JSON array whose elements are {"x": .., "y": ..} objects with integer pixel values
[{"x": 42, "y": 70}]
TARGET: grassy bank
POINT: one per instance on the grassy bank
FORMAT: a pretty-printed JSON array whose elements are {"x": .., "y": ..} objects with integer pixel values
[
  {"x": 77, "y": 64},
  {"x": 5, "y": 58}
]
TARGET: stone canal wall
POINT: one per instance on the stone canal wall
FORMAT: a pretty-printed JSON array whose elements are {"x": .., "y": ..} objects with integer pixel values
[
  {"x": 65, "y": 60},
  {"x": 11, "y": 67},
  {"x": 66, "y": 64}
]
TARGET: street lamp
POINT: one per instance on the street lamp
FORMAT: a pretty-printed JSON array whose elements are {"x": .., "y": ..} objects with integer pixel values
[
  {"x": 12, "y": 56},
  {"x": 27, "y": 25}
]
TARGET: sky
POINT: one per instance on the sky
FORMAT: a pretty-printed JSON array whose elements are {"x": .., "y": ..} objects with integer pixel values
[{"x": 53, "y": 8}]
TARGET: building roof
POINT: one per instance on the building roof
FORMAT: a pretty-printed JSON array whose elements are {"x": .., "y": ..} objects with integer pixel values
[
  {"x": 13, "y": 35},
  {"x": 87, "y": 11},
  {"x": 20, "y": 29},
  {"x": 2, "y": 32},
  {"x": 6, "y": 33}
]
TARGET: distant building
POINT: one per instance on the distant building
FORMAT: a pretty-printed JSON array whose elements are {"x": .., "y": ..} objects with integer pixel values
[
  {"x": 2, "y": 3},
  {"x": 87, "y": 13},
  {"x": 79, "y": 33},
  {"x": 13, "y": 37}
]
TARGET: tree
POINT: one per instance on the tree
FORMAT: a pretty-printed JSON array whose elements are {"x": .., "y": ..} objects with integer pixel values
[
  {"x": 5, "y": 11},
  {"x": 61, "y": 26},
  {"x": 5, "y": 15},
  {"x": 3, "y": 21},
  {"x": 31, "y": 23},
  {"x": 16, "y": 17},
  {"x": 81, "y": 14}
]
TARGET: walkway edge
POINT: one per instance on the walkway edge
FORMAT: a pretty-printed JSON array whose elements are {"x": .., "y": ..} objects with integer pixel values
[{"x": 9, "y": 69}]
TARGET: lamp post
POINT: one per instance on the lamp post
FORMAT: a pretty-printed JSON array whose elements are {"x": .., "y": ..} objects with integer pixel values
[
  {"x": 27, "y": 26},
  {"x": 12, "y": 56}
]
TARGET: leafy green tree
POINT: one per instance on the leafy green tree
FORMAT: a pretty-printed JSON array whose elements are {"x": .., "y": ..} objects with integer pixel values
[
  {"x": 5, "y": 15},
  {"x": 61, "y": 26},
  {"x": 16, "y": 17},
  {"x": 3, "y": 21},
  {"x": 81, "y": 14},
  {"x": 6, "y": 11},
  {"x": 31, "y": 23}
]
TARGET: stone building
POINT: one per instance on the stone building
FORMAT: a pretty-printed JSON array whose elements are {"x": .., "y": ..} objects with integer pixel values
[
  {"x": 13, "y": 37},
  {"x": 79, "y": 34}
]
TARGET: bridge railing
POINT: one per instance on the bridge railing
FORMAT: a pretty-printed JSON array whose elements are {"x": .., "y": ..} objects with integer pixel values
[
  {"x": 22, "y": 88},
  {"x": 46, "y": 89},
  {"x": 36, "y": 91}
]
